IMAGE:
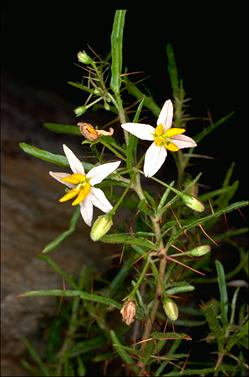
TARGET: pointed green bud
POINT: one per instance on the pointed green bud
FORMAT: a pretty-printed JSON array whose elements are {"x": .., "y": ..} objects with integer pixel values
[
  {"x": 107, "y": 106},
  {"x": 101, "y": 226},
  {"x": 199, "y": 251},
  {"x": 84, "y": 58},
  {"x": 171, "y": 309},
  {"x": 192, "y": 203},
  {"x": 80, "y": 110}
]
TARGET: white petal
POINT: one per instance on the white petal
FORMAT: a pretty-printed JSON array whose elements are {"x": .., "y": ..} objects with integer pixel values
[
  {"x": 166, "y": 115},
  {"x": 140, "y": 130},
  {"x": 183, "y": 141},
  {"x": 58, "y": 176},
  {"x": 154, "y": 158},
  {"x": 97, "y": 174},
  {"x": 86, "y": 209},
  {"x": 99, "y": 200},
  {"x": 75, "y": 164}
]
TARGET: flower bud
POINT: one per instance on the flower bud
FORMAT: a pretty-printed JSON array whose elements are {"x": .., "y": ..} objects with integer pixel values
[
  {"x": 128, "y": 312},
  {"x": 80, "y": 110},
  {"x": 192, "y": 203},
  {"x": 170, "y": 308},
  {"x": 84, "y": 58},
  {"x": 107, "y": 106},
  {"x": 100, "y": 227},
  {"x": 199, "y": 251}
]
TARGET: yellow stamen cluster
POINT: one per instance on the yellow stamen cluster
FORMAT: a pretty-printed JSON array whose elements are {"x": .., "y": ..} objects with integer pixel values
[
  {"x": 163, "y": 138},
  {"x": 81, "y": 190}
]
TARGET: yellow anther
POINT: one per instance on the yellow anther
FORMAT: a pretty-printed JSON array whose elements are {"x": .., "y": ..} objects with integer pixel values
[
  {"x": 69, "y": 195},
  {"x": 159, "y": 130},
  {"x": 159, "y": 141},
  {"x": 174, "y": 131},
  {"x": 171, "y": 147},
  {"x": 75, "y": 179},
  {"x": 82, "y": 194}
]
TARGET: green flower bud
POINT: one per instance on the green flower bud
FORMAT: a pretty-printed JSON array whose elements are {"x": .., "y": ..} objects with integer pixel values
[
  {"x": 100, "y": 227},
  {"x": 192, "y": 203},
  {"x": 107, "y": 106},
  {"x": 170, "y": 308},
  {"x": 84, "y": 58},
  {"x": 80, "y": 110},
  {"x": 199, "y": 251}
]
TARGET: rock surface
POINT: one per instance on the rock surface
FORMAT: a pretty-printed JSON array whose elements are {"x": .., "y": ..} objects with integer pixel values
[{"x": 32, "y": 216}]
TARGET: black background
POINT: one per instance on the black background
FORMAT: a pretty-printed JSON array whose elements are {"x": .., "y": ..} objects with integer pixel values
[{"x": 41, "y": 40}]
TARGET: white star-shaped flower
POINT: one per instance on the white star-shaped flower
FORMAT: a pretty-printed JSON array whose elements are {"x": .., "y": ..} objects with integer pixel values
[
  {"x": 163, "y": 136},
  {"x": 82, "y": 185}
]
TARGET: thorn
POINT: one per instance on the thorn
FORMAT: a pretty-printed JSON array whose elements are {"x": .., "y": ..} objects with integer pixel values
[{"x": 200, "y": 226}]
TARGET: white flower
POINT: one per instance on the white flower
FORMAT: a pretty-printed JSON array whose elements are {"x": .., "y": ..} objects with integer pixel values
[
  {"x": 82, "y": 185},
  {"x": 163, "y": 138}
]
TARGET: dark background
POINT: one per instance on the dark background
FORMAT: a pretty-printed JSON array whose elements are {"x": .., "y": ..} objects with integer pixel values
[{"x": 41, "y": 40}]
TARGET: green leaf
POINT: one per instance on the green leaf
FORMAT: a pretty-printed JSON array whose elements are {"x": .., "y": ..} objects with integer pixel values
[
  {"x": 212, "y": 127},
  {"x": 164, "y": 198},
  {"x": 213, "y": 323},
  {"x": 223, "y": 291},
  {"x": 180, "y": 289},
  {"x": 172, "y": 69},
  {"x": 73, "y": 293},
  {"x": 148, "y": 100},
  {"x": 52, "y": 264},
  {"x": 128, "y": 239},
  {"x": 117, "y": 49},
  {"x": 81, "y": 368},
  {"x": 169, "y": 336},
  {"x": 44, "y": 155},
  {"x": 82, "y": 87},
  {"x": 191, "y": 372},
  {"x": 122, "y": 351},
  {"x": 233, "y": 305},
  {"x": 189, "y": 323},
  {"x": 56, "y": 242},
  {"x": 86, "y": 346},
  {"x": 202, "y": 220},
  {"x": 66, "y": 129},
  {"x": 236, "y": 337},
  {"x": 35, "y": 356}
]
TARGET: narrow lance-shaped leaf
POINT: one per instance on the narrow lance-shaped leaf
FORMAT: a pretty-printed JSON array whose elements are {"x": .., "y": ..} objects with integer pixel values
[
  {"x": 213, "y": 324},
  {"x": 202, "y": 220},
  {"x": 44, "y": 155},
  {"x": 148, "y": 100},
  {"x": 172, "y": 69},
  {"x": 56, "y": 268},
  {"x": 56, "y": 242},
  {"x": 212, "y": 127},
  {"x": 223, "y": 291},
  {"x": 121, "y": 350},
  {"x": 126, "y": 238},
  {"x": 66, "y": 129},
  {"x": 117, "y": 49},
  {"x": 73, "y": 293}
]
